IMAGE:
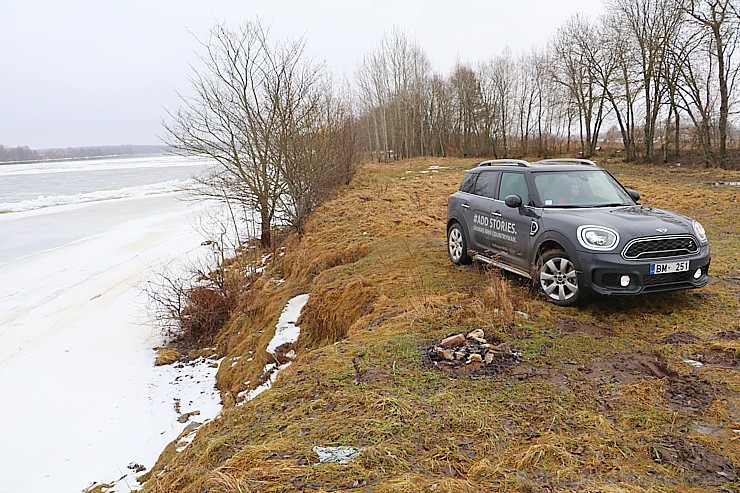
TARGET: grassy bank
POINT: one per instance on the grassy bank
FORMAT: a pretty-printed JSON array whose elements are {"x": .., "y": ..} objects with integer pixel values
[{"x": 601, "y": 400}]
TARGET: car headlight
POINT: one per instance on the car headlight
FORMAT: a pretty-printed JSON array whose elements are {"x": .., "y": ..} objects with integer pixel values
[
  {"x": 598, "y": 238},
  {"x": 699, "y": 230}
]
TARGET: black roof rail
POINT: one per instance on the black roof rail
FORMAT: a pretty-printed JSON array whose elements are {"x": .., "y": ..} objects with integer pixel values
[
  {"x": 585, "y": 162},
  {"x": 505, "y": 162}
]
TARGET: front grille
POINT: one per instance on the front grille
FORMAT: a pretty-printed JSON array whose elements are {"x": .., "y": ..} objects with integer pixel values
[
  {"x": 661, "y": 247},
  {"x": 672, "y": 278}
]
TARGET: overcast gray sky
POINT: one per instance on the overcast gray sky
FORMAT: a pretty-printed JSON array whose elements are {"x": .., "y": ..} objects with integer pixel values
[{"x": 84, "y": 72}]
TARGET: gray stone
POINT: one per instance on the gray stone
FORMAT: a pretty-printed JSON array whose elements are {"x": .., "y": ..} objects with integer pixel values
[{"x": 476, "y": 334}]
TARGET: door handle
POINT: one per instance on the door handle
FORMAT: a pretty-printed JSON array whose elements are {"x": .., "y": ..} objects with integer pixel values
[
  {"x": 465, "y": 206},
  {"x": 496, "y": 213}
]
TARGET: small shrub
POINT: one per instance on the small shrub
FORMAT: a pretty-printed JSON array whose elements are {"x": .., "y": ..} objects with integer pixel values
[{"x": 191, "y": 309}]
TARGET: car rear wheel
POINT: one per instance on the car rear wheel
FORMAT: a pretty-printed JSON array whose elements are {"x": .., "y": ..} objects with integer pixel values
[
  {"x": 457, "y": 247},
  {"x": 558, "y": 278}
]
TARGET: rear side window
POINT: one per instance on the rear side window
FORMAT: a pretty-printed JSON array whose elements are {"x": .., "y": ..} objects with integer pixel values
[
  {"x": 468, "y": 183},
  {"x": 514, "y": 184},
  {"x": 485, "y": 186}
]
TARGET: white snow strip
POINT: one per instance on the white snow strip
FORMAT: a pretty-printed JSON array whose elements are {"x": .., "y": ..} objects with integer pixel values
[
  {"x": 183, "y": 443},
  {"x": 248, "y": 395},
  {"x": 286, "y": 331},
  {"x": 128, "y": 163},
  {"x": 694, "y": 363},
  {"x": 81, "y": 198}
]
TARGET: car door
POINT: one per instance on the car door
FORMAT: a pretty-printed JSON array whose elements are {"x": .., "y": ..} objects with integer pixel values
[
  {"x": 480, "y": 209},
  {"x": 511, "y": 226}
]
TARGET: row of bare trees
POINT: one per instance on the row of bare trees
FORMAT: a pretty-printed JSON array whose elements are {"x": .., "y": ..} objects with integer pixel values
[{"x": 661, "y": 73}]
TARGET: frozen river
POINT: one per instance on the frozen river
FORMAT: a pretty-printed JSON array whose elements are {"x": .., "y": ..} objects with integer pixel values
[{"x": 81, "y": 399}]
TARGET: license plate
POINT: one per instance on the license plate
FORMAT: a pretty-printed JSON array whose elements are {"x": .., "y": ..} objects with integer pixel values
[{"x": 669, "y": 267}]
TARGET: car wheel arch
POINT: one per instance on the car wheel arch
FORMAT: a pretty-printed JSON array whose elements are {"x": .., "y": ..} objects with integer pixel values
[
  {"x": 553, "y": 240},
  {"x": 457, "y": 240},
  {"x": 456, "y": 220},
  {"x": 558, "y": 278}
]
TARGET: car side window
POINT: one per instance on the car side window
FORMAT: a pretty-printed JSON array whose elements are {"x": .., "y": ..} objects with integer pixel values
[
  {"x": 486, "y": 184},
  {"x": 468, "y": 183},
  {"x": 514, "y": 184}
]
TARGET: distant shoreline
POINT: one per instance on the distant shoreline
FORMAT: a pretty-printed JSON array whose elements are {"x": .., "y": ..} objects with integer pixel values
[
  {"x": 23, "y": 155},
  {"x": 84, "y": 158}
]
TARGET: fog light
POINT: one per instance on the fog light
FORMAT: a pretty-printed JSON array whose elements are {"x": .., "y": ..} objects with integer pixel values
[
  {"x": 697, "y": 274},
  {"x": 624, "y": 281}
]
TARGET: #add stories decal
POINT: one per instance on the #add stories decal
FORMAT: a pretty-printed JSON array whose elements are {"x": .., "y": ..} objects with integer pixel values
[{"x": 495, "y": 227}]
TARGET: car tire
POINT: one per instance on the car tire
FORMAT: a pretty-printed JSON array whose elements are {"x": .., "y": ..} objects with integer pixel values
[
  {"x": 557, "y": 278},
  {"x": 457, "y": 246}
]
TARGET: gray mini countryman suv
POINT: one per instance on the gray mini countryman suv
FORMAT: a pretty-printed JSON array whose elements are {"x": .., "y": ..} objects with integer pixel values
[{"x": 574, "y": 229}]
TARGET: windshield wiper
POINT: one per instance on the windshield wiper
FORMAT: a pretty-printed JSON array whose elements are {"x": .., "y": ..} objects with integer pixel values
[
  {"x": 615, "y": 204},
  {"x": 566, "y": 206}
]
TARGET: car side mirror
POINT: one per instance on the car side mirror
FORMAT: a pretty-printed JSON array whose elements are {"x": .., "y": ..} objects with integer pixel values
[
  {"x": 513, "y": 201},
  {"x": 634, "y": 194}
]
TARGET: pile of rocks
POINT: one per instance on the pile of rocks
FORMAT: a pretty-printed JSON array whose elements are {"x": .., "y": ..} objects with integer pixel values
[{"x": 473, "y": 350}]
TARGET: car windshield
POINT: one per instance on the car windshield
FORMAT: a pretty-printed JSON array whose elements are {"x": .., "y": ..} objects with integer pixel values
[{"x": 581, "y": 188}]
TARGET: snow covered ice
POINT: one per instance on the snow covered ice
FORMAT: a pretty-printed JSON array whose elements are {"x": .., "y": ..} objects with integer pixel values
[{"x": 81, "y": 398}]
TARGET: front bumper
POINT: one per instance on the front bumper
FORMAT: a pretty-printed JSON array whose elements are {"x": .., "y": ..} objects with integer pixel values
[{"x": 601, "y": 272}]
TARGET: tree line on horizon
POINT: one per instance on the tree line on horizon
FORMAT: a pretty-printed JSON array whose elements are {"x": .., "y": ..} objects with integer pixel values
[
  {"x": 655, "y": 77},
  {"x": 20, "y": 154},
  {"x": 659, "y": 75}
]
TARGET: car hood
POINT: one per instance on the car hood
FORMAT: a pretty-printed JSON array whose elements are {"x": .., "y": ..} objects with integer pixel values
[{"x": 630, "y": 222}]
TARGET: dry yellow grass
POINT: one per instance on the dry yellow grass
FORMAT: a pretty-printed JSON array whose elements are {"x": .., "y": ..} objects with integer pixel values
[
  {"x": 575, "y": 415},
  {"x": 166, "y": 356}
]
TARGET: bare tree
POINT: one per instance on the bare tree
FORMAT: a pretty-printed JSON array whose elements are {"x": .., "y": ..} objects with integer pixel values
[
  {"x": 499, "y": 78},
  {"x": 718, "y": 20},
  {"x": 465, "y": 96},
  {"x": 251, "y": 97},
  {"x": 394, "y": 87},
  {"x": 440, "y": 111},
  {"x": 651, "y": 24},
  {"x": 583, "y": 73},
  {"x": 319, "y": 155},
  {"x": 695, "y": 71},
  {"x": 528, "y": 98},
  {"x": 622, "y": 84}
]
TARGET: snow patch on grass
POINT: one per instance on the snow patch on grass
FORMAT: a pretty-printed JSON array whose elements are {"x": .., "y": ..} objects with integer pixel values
[{"x": 286, "y": 332}]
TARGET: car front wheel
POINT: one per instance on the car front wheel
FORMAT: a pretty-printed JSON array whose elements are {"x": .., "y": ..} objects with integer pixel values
[
  {"x": 457, "y": 247},
  {"x": 558, "y": 278}
]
